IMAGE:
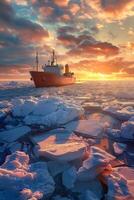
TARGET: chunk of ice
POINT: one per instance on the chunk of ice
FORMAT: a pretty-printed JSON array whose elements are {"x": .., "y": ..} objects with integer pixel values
[{"x": 14, "y": 134}]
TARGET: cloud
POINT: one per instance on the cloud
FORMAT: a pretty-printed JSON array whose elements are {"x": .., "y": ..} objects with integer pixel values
[
  {"x": 7, "y": 39},
  {"x": 15, "y": 72},
  {"x": 46, "y": 11},
  {"x": 30, "y": 31},
  {"x": 129, "y": 70},
  {"x": 74, "y": 8},
  {"x": 68, "y": 36},
  {"x": 131, "y": 32},
  {"x": 64, "y": 18},
  {"x": 111, "y": 10},
  {"x": 27, "y": 30},
  {"x": 61, "y": 3},
  {"x": 77, "y": 28},
  {"x": 20, "y": 2},
  {"x": 68, "y": 40},
  {"x": 6, "y": 13},
  {"x": 16, "y": 54},
  {"x": 84, "y": 45},
  {"x": 116, "y": 65},
  {"x": 57, "y": 11},
  {"x": 99, "y": 26},
  {"x": 19, "y": 37}
]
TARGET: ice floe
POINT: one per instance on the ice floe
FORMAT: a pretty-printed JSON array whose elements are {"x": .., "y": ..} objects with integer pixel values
[
  {"x": 119, "y": 148},
  {"x": 121, "y": 113},
  {"x": 95, "y": 164},
  {"x": 18, "y": 176},
  {"x": 3, "y": 113},
  {"x": 89, "y": 195},
  {"x": 92, "y": 107},
  {"x": 56, "y": 168},
  {"x": 47, "y": 139},
  {"x": 103, "y": 119},
  {"x": 58, "y": 197},
  {"x": 22, "y": 108},
  {"x": 61, "y": 147},
  {"x": 120, "y": 184},
  {"x": 57, "y": 118},
  {"x": 89, "y": 128},
  {"x": 126, "y": 131},
  {"x": 45, "y": 107},
  {"x": 14, "y": 134},
  {"x": 69, "y": 177},
  {"x": 86, "y": 188},
  {"x": 48, "y": 112}
]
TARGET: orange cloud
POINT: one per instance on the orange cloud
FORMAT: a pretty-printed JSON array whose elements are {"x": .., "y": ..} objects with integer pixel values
[
  {"x": 64, "y": 18},
  {"x": 13, "y": 72},
  {"x": 74, "y": 8},
  {"x": 21, "y": 2},
  {"x": 33, "y": 36},
  {"x": 116, "y": 65},
  {"x": 111, "y": 10},
  {"x": 45, "y": 11},
  {"x": 86, "y": 49},
  {"x": 61, "y": 3}
]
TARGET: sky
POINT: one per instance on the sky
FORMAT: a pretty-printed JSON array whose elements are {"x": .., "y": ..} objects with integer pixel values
[{"x": 95, "y": 37}]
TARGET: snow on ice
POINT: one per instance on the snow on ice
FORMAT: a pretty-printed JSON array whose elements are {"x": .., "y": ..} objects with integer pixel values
[
  {"x": 126, "y": 131},
  {"x": 95, "y": 164},
  {"x": 123, "y": 113},
  {"x": 48, "y": 112},
  {"x": 23, "y": 179},
  {"x": 89, "y": 128},
  {"x": 119, "y": 148},
  {"x": 61, "y": 146},
  {"x": 55, "y": 143},
  {"x": 120, "y": 184}
]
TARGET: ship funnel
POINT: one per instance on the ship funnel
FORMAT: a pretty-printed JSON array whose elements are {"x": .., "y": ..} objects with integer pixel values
[{"x": 66, "y": 69}]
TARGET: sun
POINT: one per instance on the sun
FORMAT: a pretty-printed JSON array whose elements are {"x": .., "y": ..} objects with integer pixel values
[{"x": 86, "y": 75}]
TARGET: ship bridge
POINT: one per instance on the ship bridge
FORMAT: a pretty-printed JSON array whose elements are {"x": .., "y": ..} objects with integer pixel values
[{"x": 53, "y": 67}]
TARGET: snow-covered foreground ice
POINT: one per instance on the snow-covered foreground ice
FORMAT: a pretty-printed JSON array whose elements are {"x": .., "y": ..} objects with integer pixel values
[
  {"x": 67, "y": 143},
  {"x": 23, "y": 180}
]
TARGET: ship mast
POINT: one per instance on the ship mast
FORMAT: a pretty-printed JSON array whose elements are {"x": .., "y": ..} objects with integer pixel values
[
  {"x": 53, "y": 57},
  {"x": 37, "y": 61}
]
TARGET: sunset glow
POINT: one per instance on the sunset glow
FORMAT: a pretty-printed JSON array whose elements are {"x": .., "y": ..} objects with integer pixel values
[{"x": 96, "y": 38}]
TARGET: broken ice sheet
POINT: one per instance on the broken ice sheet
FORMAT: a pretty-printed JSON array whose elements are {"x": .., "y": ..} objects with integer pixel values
[
  {"x": 22, "y": 179},
  {"x": 95, "y": 164},
  {"x": 14, "y": 134}
]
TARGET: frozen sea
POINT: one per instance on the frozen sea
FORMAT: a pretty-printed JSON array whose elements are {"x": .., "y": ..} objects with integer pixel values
[
  {"x": 67, "y": 143},
  {"x": 93, "y": 90}
]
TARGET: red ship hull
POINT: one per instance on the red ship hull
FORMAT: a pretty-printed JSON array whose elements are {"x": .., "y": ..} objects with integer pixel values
[{"x": 46, "y": 79}]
